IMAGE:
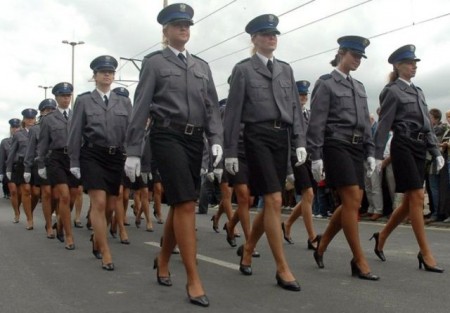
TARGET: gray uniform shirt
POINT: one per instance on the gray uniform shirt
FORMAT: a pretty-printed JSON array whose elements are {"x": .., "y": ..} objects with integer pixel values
[
  {"x": 5, "y": 145},
  {"x": 94, "y": 122},
  {"x": 338, "y": 106},
  {"x": 404, "y": 110},
  {"x": 174, "y": 92},
  {"x": 18, "y": 149},
  {"x": 31, "y": 152},
  {"x": 53, "y": 135},
  {"x": 256, "y": 95}
]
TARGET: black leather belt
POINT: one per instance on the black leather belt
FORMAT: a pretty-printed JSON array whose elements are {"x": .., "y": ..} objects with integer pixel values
[
  {"x": 112, "y": 150},
  {"x": 187, "y": 129},
  {"x": 277, "y": 124},
  {"x": 61, "y": 150},
  {"x": 417, "y": 136},
  {"x": 353, "y": 139}
]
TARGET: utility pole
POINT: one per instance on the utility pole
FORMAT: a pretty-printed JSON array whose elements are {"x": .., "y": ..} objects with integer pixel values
[{"x": 73, "y": 44}]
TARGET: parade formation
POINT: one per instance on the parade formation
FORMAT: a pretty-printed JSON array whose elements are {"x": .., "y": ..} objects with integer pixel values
[{"x": 175, "y": 134}]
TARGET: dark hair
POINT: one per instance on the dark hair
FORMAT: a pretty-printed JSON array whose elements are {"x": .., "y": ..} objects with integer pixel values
[
  {"x": 436, "y": 113},
  {"x": 337, "y": 57},
  {"x": 393, "y": 75}
]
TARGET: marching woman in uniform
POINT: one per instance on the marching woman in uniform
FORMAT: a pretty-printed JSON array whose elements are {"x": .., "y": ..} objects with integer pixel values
[
  {"x": 96, "y": 148},
  {"x": 404, "y": 110},
  {"x": 14, "y": 162},
  {"x": 36, "y": 185},
  {"x": 53, "y": 137},
  {"x": 339, "y": 132},
  {"x": 5, "y": 146},
  {"x": 303, "y": 182},
  {"x": 177, "y": 90},
  {"x": 264, "y": 97}
]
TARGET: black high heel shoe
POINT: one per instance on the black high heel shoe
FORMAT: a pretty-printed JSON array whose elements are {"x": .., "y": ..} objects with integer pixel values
[
  {"x": 95, "y": 252},
  {"x": 244, "y": 269},
  {"x": 288, "y": 239},
  {"x": 379, "y": 253},
  {"x": 230, "y": 238},
  {"x": 317, "y": 257},
  {"x": 59, "y": 236},
  {"x": 108, "y": 266},
  {"x": 77, "y": 224},
  {"x": 215, "y": 224},
  {"x": 200, "y": 300},
  {"x": 158, "y": 219},
  {"x": 310, "y": 243},
  {"x": 428, "y": 268},
  {"x": 163, "y": 281},
  {"x": 288, "y": 285},
  {"x": 357, "y": 272},
  {"x": 113, "y": 233}
]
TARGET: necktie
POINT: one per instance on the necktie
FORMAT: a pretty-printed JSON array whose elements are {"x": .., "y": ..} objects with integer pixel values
[
  {"x": 105, "y": 98},
  {"x": 306, "y": 115},
  {"x": 270, "y": 65},
  {"x": 182, "y": 57},
  {"x": 65, "y": 114}
]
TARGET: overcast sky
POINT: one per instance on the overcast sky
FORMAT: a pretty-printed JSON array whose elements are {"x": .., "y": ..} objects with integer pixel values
[{"x": 32, "y": 54}]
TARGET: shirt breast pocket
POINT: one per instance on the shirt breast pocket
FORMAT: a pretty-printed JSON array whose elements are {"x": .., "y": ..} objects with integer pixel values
[
  {"x": 58, "y": 132},
  {"x": 259, "y": 90},
  {"x": 286, "y": 86},
  {"x": 409, "y": 104},
  {"x": 170, "y": 78},
  {"x": 202, "y": 80},
  {"x": 121, "y": 119},
  {"x": 345, "y": 100}
]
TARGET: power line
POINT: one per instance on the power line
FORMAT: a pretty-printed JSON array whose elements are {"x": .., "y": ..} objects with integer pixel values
[
  {"x": 213, "y": 12},
  {"x": 378, "y": 35},
  {"x": 297, "y": 28},
  {"x": 234, "y": 36}
]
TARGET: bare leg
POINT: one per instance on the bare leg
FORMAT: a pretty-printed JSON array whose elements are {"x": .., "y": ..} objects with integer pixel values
[{"x": 64, "y": 211}]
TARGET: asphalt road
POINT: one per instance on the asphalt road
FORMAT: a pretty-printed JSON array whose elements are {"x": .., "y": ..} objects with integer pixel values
[{"x": 38, "y": 275}]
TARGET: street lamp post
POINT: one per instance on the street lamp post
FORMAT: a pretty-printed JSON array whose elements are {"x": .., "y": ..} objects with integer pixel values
[
  {"x": 73, "y": 44},
  {"x": 45, "y": 89}
]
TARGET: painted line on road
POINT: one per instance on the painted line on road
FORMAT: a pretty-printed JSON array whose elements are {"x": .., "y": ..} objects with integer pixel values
[{"x": 205, "y": 258}]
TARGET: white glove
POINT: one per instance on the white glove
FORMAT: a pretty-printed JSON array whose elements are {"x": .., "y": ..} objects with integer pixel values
[
  {"x": 145, "y": 177},
  {"x": 370, "y": 166},
  {"x": 217, "y": 152},
  {"x": 1, "y": 177},
  {"x": 203, "y": 171},
  {"x": 42, "y": 172},
  {"x": 76, "y": 172},
  {"x": 232, "y": 165},
  {"x": 317, "y": 169},
  {"x": 210, "y": 176},
  {"x": 378, "y": 165},
  {"x": 290, "y": 178},
  {"x": 8, "y": 174},
  {"x": 150, "y": 176},
  {"x": 439, "y": 162},
  {"x": 27, "y": 177},
  {"x": 218, "y": 172},
  {"x": 301, "y": 156},
  {"x": 133, "y": 167}
]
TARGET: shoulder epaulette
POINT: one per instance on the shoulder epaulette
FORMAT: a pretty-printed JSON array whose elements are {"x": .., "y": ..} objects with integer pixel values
[
  {"x": 244, "y": 60},
  {"x": 419, "y": 88},
  {"x": 325, "y": 77},
  {"x": 84, "y": 93},
  {"x": 390, "y": 84},
  {"x": 153, "y": 53},
  {"x": 193, "y": 55},
  {"x": 283, "y": 62}
]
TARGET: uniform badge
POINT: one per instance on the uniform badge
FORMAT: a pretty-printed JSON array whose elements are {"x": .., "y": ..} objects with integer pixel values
[{"x": 182, "y": 7}]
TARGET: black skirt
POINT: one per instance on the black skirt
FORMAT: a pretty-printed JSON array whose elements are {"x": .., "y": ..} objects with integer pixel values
[
  {"x": 408, "y": 163},
  {"x": 343, "y": 163},
  {"x": 58, "y": 170},
  {"x": 126, "y": 182},
  {"x": 302, "y": 174},
  {"x": 17, "y": 173},
  {"x": 178, "y": 158},
  {"x": 138, "y": 184},
  {"x": 101, "y": 170},
  {"x": 266, "y": 150},
  {"x": 241, "y": 176},
  {"x": 37, "y": 180}
]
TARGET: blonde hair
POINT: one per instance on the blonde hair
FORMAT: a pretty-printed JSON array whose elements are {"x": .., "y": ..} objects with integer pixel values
[{"x": 393, "y": 75}]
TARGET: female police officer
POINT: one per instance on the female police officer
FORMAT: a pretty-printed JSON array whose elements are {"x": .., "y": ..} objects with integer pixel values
[
  {"x": 263, "y": 96},
  {"x": 339, "y": 132},
  {"x": 404, "y": 110},
  {"x": 178, "y": 91},
  {"x": 96, "y": 147}
]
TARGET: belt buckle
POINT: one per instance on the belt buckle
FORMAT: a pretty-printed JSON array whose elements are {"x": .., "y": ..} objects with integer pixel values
[
  {"x": 276, "y": 124},
  {"x": 112, "y": 150},
  {"x": 189, "y": 129},
  {"x": 65, "y": 150},
  {"x": 421, "y": 136},
  {"x": 356, "y": 139}
]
